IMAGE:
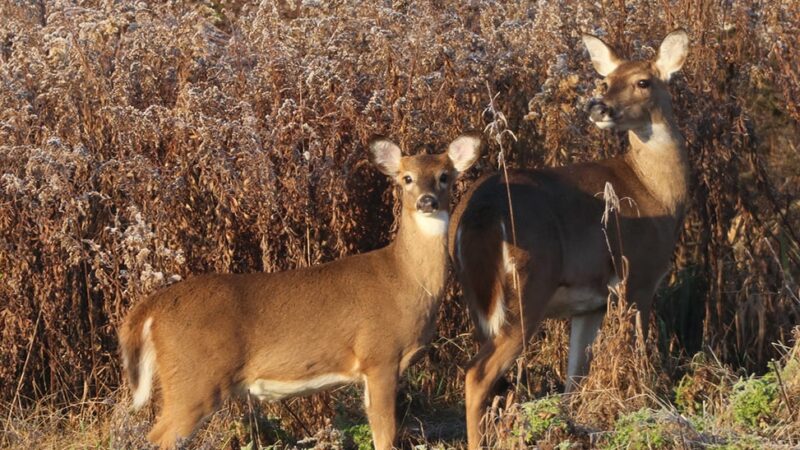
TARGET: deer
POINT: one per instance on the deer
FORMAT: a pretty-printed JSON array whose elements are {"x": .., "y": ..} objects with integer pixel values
[
  {"x": 547, "y": 255},
  {"x": 361, "y": 319}
]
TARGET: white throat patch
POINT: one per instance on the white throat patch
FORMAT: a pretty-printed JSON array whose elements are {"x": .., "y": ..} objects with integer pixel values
[
  {"x": 432, "y": 224},
  {"x": 659, "y": 134}
]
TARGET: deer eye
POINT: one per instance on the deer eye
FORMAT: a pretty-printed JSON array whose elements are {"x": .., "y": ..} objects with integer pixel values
[
  {"x": 604, "y": 87},
  {"x": 644, "y": 84},
  {"x": 443, "y": 178},
  {"x": 407, "y": 179}
]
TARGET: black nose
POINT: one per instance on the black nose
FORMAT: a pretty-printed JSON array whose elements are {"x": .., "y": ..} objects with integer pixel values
[
  {"x": 427, "y": 204},
  {"x": 597, "y": 109}
]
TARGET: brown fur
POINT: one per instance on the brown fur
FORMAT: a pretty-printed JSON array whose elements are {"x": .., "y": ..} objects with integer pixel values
[
  {"x": 561, "y": 255},
  {"x": 362, "y": 317}
]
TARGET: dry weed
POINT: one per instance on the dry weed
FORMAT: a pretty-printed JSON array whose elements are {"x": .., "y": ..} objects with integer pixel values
[{"x": 141, "y": 143}]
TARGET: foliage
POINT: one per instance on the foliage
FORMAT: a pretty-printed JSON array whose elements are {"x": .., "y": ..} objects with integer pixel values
[
  {"x": 639, "y": 430},
  {"x": 753, "y": 400},
  {"x": 144, "y": 142},
  {"x": 361, "y": 436},
  {"x": 543, "y": 415}
]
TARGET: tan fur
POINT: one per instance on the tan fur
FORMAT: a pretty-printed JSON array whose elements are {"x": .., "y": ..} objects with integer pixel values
[
  {"x": 358, "y": 319},
  {"x": 561, "y": 256}
]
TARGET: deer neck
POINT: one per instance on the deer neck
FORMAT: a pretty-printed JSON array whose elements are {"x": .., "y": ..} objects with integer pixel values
[
  {"x": 421, "y": 252},
  {"x": 658, "y": 156}
]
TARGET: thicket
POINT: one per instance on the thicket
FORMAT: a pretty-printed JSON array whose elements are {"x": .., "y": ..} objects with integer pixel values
[{"x": 141, "y": 143}]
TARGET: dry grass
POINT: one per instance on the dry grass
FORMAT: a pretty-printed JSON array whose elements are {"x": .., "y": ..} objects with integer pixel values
[{"x": 142, "y": 143}]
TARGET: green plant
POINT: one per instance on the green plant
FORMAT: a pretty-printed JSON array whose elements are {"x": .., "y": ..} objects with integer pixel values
[
  {"x": 746, "y": 442},
  {"x": 753, "y": 399},
  {"x": 540, "y": 417},
  {"x": 564, "y": 445},
  {"x": 360, "y": 436},
  {"x": 639, "y": 430}
]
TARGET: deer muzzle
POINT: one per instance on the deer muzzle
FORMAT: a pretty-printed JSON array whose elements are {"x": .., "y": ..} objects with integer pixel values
[
  {"x": 600, "y": 113},
  {"x": 427, "y": 204}
]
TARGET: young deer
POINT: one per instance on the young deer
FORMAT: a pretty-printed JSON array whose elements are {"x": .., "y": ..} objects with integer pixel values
[
  {"x": 556, "y": 262},
  {"x": 360, "y": 319}
]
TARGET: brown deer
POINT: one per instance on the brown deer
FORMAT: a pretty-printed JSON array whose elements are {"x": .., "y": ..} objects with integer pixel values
[
  {"x": 360, "y": 319},
  {"x": 556, "y": 261}
]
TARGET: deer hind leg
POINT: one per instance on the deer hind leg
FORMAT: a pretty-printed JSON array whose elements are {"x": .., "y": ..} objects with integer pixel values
[
  {"x": 161, "y": 426},
  {"x": 175, "y": 423},
  {"x": 185, "y": 407},
  {"x": 583, "y": 332},
  {"x": 380, "y": 395},
  {"x": 535, "y": 288},
  {"x": 486, "y": 367}
]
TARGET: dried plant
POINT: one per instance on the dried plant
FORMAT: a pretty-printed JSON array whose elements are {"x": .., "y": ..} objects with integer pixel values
[{"x": 142, "y": 143}]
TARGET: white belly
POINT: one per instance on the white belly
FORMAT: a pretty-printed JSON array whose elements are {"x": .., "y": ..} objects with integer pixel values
[
  {"x": 271, "y": 390},
  {"x": 577, "y": 300}
]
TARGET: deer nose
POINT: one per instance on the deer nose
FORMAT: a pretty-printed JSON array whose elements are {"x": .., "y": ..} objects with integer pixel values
[
  {"x": 427, "y": 204},
  {"x": 598, "y": 110}
]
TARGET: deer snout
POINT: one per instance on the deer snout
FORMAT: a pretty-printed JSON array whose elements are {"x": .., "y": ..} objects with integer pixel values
[
  {"x": 597, "y": 109},
  {"x": 427, "y": 204},
  {"x": 600, "y": 113}
]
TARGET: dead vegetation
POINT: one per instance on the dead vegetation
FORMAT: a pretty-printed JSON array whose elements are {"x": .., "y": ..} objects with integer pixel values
[{"x": 143, "y": 143}]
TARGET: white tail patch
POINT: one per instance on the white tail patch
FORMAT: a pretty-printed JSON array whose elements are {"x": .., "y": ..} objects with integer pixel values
[
  {"x": 147, "y": 367},
  {"x": 432, "y": 224},
  {"x": 492, "y": 325},
  {"x": 508, "y": 261},
  {"x": 272, "y": 390}
]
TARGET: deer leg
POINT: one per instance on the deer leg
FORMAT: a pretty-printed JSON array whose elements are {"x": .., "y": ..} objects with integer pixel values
[
  {"x": 174, "y": 424},
  {"x": 184, "y": 408},
  {"x": 492, "y": 360},
  {"x": 583, "y": 331},
  {"x": 643, "y": 299},
  {"x": 180, "y": 424},
  {"x": 161, "y": 426},
  {"x": 380, "y": 395}
]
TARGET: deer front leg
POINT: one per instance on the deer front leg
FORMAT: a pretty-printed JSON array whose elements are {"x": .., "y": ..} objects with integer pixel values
[
  {"x": 583, "y": 331},
  {"x": 380, "y": 395}
]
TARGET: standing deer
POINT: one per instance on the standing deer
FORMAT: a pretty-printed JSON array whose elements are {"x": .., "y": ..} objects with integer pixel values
[
  {"x": 556, "y": 262},
  {"x": 360, "y": 319}
]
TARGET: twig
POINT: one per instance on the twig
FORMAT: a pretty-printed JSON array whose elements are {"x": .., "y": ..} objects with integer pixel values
[
  {"x": 296, "y": 418},
  {"x": 497, "y": 128},
  {"x": 254, "y": 420},
  {"x": 22, "y": 375},
  {"x": 787, "y": 281},
  {"x": 786, "y": 400}
]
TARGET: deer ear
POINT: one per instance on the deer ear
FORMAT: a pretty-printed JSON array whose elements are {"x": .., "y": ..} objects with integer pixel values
[
  {"x": 672, "y": 54},
  {"x": 386, "y": 155},
  {"x": 464, "y": 151},
  {"x": 603, "y": 57}
]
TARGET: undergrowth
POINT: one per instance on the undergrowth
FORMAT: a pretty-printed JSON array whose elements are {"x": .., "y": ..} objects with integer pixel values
[{"x": 144, "y": 142}]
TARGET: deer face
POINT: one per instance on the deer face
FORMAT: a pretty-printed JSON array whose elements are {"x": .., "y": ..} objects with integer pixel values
[
  {"x": 632, "y": 90},
  {"x": 426, "y": 180}
]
